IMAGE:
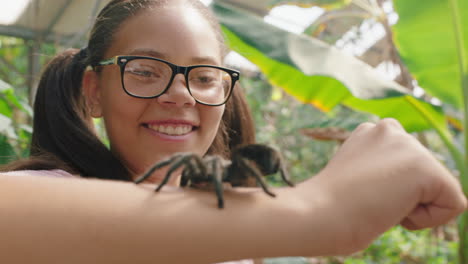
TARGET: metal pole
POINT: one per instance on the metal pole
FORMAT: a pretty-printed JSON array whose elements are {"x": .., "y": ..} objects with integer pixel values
[{"x": 34, "y": 67}]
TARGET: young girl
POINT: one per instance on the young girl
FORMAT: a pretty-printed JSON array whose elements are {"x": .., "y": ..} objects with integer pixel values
[{"x": 153, "y": 71}]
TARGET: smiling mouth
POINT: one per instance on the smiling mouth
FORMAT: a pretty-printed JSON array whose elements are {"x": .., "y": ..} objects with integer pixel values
[{"x": 172, "y": 130}]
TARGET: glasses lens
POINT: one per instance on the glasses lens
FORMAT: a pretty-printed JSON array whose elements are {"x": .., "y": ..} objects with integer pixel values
[
  {"x": 209, "y": 85},
  {"x": 145, "y": 77}
]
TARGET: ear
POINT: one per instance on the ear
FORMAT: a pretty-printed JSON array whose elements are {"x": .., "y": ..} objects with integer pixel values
[{"x": 92, "y": 93}]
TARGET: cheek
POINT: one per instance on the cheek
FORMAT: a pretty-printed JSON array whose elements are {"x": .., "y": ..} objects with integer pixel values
[
  {"x": 212, "y": 119},
  {"x": 120, "y": 109},
  {"x": 116, "y": 104},
  {"x": 122, "y": 127},
  {"x": 215, "y": 116},
  {"x": 121, "y": 114}
]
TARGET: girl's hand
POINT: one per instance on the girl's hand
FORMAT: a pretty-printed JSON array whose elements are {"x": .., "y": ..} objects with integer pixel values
[{"x": 381, "y": 177}]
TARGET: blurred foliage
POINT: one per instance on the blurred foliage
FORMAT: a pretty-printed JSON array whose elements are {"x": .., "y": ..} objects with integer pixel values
[
  {"x": 278, "y": 123},
  {"x": 397, "y": 246},
  {"x": 15, "y": 132},
  {"x": 321, "y": 75},
  {"x": 402, "y": 246},
  {"x": 15, "y": 62},
  {"x": 16, "y": 80}
]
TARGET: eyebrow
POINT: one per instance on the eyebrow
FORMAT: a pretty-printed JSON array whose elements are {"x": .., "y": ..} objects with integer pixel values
[{"x": 156, "y": 54}]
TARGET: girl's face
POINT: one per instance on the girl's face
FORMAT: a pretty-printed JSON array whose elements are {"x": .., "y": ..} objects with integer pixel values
[{"x": 145, "y": 131}]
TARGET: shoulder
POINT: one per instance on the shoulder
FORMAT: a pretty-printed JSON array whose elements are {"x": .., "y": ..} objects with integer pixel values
[{"x": 46, "y": 173}]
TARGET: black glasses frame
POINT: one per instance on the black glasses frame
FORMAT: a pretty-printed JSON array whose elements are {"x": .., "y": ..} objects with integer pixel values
[{"x": 122, "y": 61}]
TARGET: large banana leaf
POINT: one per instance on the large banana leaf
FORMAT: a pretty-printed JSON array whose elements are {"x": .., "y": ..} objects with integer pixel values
[
  {"x": 426, "y": 41},
  {"x": 321, "y": 75}
]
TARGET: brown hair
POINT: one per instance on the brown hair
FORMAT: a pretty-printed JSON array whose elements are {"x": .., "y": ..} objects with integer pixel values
[{"x": 64, "y": 135}]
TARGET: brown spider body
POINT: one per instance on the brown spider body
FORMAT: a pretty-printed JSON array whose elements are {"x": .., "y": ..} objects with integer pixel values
[{"x": 246, "y": 168}]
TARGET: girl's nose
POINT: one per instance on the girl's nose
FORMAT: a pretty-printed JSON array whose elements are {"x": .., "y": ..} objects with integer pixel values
[{"x": 177, "y": 94}]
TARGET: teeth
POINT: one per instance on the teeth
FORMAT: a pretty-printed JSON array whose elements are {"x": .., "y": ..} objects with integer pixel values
[{"x": 172, "y": 130}]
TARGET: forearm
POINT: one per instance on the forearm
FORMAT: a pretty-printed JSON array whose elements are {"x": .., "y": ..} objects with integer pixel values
[{"x": 94, "y": 221}]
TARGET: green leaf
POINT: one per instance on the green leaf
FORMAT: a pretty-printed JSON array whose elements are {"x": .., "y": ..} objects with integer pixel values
[
  {"x": 426, "y": 41},
  {"x": 5, "y": 107},
  {"x": 8, "y": 100},
  {"x": 4, "y": 86},
  {"x": 284, "y": 55},
  {"x": 7, "y": 152},
  {"x": 429, "y": 116},
  {"x": 6, "y": 127},
  {"x": 316, "y": 73}
]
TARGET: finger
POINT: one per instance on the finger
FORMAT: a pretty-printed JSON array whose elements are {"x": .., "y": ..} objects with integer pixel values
[
  {"x": 390, "y": 123},
  {"x": 366, "y": 126},
  {"x": 441, "y": 201},
  {"x": 425, "y": 216}
]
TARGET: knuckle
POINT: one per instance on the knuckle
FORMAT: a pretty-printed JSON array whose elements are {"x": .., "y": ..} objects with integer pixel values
[
  {"x": 390, "y": 123},
  {"x": 463, "y": 204},
  {"x": 364, "y": 126}
]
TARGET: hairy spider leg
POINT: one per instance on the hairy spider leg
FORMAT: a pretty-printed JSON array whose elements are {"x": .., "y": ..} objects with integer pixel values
[
  {"x": 193, "y": 170},
  {"x": 217, "y": 177},
  {"x": 256, "y": 173},
  {"x": 155, "y": 167},
  {"x": 177, "y": 162},
  {"x": 285, "y": 175}
]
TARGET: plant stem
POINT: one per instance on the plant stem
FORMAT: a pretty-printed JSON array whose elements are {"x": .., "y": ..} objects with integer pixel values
[
  {"x": 365, "y": 5},
  {"x": 463, "y": 238},
  {"x": 443, "y": 134},
  {"x": 463, "y": 68}
]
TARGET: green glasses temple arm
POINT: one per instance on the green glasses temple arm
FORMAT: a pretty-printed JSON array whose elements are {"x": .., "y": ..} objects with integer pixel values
[{"x": 110, "y": 61}]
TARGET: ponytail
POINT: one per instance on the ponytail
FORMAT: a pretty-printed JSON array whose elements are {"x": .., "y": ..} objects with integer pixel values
[{"x": 62, "y": 127}]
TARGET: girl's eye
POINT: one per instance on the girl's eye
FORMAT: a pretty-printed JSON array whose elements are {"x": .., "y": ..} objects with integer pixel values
[
  {"x": 205, "y": 76},
  {"x": 205, "y": 79},
  {"x": 142, "y": 72}
]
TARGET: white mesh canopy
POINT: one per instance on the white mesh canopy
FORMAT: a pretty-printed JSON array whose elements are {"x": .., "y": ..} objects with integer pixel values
[{"x": 68, "y": 21}]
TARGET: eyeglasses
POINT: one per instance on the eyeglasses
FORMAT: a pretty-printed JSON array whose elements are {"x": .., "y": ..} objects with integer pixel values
[{"x": 148, "y": 77}]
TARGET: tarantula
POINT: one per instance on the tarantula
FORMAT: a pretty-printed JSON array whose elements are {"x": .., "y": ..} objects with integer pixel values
[{"x": 247, "y": 167}]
